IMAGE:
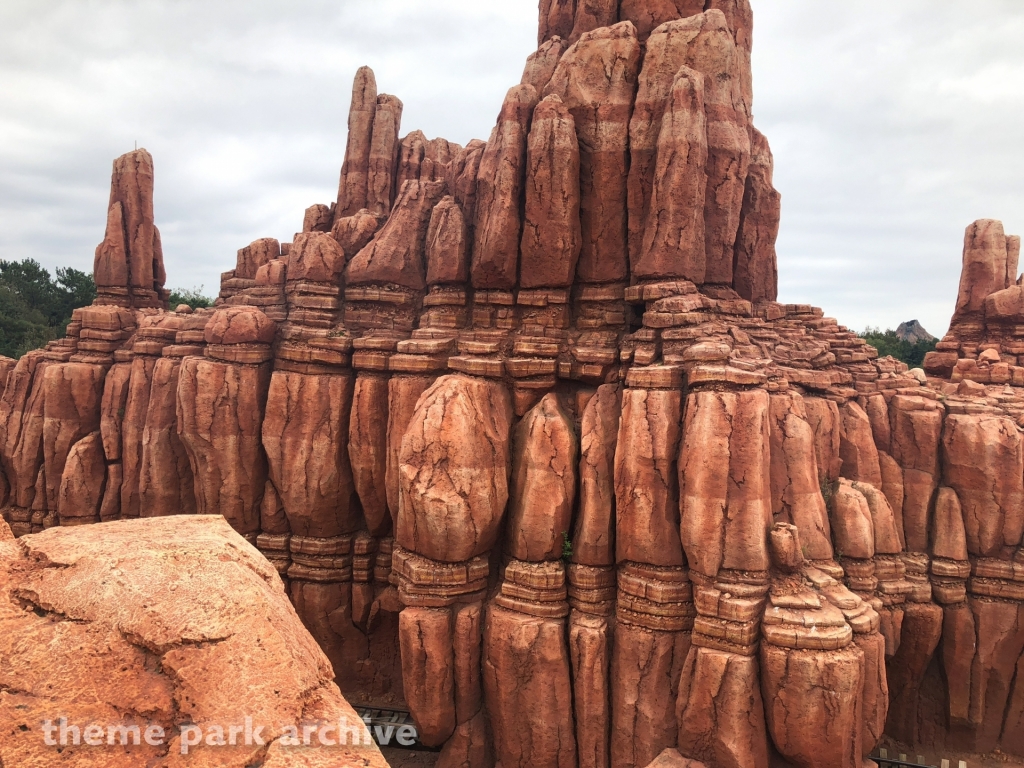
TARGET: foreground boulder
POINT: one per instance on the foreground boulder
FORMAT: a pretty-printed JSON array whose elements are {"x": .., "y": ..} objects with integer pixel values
[{"x": 200, "y": 631}]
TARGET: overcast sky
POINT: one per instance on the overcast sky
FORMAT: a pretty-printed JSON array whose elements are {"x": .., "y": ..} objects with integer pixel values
[{"x": 894, "y": 125}]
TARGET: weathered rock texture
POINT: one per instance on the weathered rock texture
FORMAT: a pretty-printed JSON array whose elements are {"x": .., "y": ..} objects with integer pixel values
[
  {"x": 536, "y": 452},
  {"x": 199, "y": 630}
]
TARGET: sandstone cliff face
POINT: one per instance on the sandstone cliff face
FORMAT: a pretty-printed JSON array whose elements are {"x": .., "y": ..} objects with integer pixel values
[{"x": 535, "y": 452}]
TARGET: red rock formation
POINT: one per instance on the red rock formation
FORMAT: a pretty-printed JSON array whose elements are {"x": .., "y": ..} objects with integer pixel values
[
  {"x": 592, "y": 15},
  {"x": 304, "y": 432},
  {"x": 984, "y": 270},
  {"x": 556, "y": 19},
  {"x": 352, "y": 188},
  {"x": 543, "y": 489},
  {"x": 454, "y": 467},
  {"x": 596, "y": 80},
  {"x": 196, "y": 625},
  {"x": 382, "y": 161},
  {"x": 129, "y": 263},
  {"x": 350, "y": 406},
  {"x": 646, "y": 484},
  {"x": 499, "y": 188},
  {"x": 756, "y": 275},
  {"x": 397, "y": 254},
  {"x": 594, "y": 536},
  {"x": 648, "y": 15},
  {"x": 367, "y": 450},
  {"x": 541, "y": 65},
  {"x": 551, "y": 223},
  {"x": 674, "y": 240},
  {"x": 447, "y": 244}
]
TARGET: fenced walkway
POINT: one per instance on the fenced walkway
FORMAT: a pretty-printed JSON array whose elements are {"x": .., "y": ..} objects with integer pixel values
[{"x": 884, "y": 761}]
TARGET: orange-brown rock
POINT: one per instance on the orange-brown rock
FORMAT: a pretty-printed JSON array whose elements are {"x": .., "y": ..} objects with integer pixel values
[
  {"x": 720, "y": 710},
  {"x": 541, "y": 64},
  {"x": 729, "y": 147},
  {"x": 853, "y": 528},
  {"x": 812, "y": 705},
  {"x": 315, "y": 256},
  {"x": 112, "y": 409},
  {"x": 1012, "y": 259},
  {"x": 823, "y": 416},
  {"x": 367, "y": 450},
  {"x": 917, "y": 426},
  {"x": 462, "y": 175},
  {"x": 403, "y": 395},
  {"x": 136, "y": 280},
  {"x": 428, "y": 671},
  {"x": 984, "y": 266},
  {"x": 304, "y": 434},
  {"x": 318, "y": 218},
  {"x": 1000, "y": 641},
  {"x": 354, "y": 232},
  {"x": 411, "y": 152},
  {"x": 239, "y": 325},
  {"x": 796, "y": 487},
  {"x": 110, "y": 264},
  {"x": 593, "y": 539},
  {"x": 950, "y": 542},
  {"x": 528, "y": 689},
  {"x": 740, "y": 18},
  {"x": 983, "y": 461},
  {"x": 220, "y": 416},
  {"x": 646, "y": 668},
  {"x": 352, "y": 188},
  {"x": 499, "y": 187},
  {"x": 447, "y": 244},
  {"x": 454, "y": 469},
  {"x": 648, "y": 15},
  {"x": 922, "y": 631},
  {"x": 133, "y": 426},
  {"x": 887, "y": 541},
  {"x": 255, "y": 255},
  {"x": 1006, "y": 306},
  {"x": 166, "y": 485},
  {"x": 556, "y": 19},
  {"x": 756, "y": 275},
  {"x": 397, "y": 254},
  {"x": 665, "y": 54},
  {"x": 590, "y": 644},
  {"x": 592, "y": 15},
  {"x": 671, "y": 758},
  {"x": 543, "y": 490},
  {"x": 82, "y": 484},
  {"x": 725, "y": 481},
  {"x": 383, "y": 157},
  {"x": 198, "y": 628},
  {"x": 551, "y": 223},
  {"x": 72, "y": 393},
  {"x": 674, "y": 238},
  {"x": 857, "y": 446},
  {"x": 646, "y": 482},
  {"x": 596, "y": 79}
]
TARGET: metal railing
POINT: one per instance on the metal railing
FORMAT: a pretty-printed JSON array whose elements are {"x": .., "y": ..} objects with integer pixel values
[{"x": 884, "y": 761}]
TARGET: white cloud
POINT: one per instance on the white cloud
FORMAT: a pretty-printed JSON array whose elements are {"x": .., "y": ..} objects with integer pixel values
[{"x": 893, "y": 127}]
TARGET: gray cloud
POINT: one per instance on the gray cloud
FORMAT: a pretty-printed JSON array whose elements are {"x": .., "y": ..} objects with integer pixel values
[{"x": 893, "y": 128}]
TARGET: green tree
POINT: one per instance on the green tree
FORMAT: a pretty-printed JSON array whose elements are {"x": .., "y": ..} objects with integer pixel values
[
  {"x": 888, "y": 343},
  {"x": 34, "y": 307},
  {"x": 192, "y": 296}
]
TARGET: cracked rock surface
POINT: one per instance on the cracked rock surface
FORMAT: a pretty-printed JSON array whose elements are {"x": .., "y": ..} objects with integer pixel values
[{"x": 164, "y": 622}]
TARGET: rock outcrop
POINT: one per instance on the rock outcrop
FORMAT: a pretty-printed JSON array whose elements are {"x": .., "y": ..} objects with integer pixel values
[
  {"x": 202, "y": 637},
  {"x": 537, "y": 455}
]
